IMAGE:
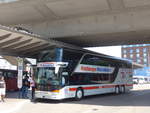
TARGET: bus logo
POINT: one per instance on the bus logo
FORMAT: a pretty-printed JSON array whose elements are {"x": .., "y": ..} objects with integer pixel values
[{"x": 94, "y": 69}]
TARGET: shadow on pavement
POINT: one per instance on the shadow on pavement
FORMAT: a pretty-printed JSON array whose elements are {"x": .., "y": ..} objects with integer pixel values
[
  {"x": 13, "y": 94},
  {"x": 133, "y": 98}
]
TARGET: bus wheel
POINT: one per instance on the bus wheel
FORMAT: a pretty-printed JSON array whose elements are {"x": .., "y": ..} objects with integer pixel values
[
  {"x": 117, "y": 90},
  {"x": 79, "y": 94},
  {"x": 122, "y": 89}
]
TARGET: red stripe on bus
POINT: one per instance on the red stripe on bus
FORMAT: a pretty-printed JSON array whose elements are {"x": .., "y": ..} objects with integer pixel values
[
  {"x": 129, "y": 85},
  {"x": 93, "y": 87},
  {"x": 108, "y": 86},
  {"x": 72, "y": 89},
  {"x": 97, "y": 87}
]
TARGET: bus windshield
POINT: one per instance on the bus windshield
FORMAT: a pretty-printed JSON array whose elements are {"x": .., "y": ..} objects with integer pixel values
[{"x": 46, "y": 79}]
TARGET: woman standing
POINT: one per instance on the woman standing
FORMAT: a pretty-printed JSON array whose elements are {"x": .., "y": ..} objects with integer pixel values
[{"x": 2, "y": 88}]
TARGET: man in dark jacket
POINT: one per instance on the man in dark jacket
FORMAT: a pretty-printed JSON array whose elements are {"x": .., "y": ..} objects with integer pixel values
[{"x": 25, "y": 87}]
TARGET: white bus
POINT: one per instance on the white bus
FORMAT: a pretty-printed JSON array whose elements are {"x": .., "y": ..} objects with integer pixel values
[
  {"x": 141, "y": 79},
  {"x": 69, "y": 73}
]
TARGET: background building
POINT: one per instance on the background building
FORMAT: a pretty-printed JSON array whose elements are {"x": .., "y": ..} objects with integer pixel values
[{"x": 140, "y": 54}]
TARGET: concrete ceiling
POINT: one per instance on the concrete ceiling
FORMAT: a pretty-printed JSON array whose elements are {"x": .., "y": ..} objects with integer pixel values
[
  {"x": 82, "y": 22},
  {"x": 21, "y": 44}
]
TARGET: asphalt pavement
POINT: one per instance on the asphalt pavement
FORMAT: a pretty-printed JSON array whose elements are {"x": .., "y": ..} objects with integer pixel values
[{"x": 136, "y": 101}]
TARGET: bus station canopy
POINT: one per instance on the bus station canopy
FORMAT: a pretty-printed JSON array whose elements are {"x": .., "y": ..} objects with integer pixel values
[
  {"x": 23, "y": 44},
  {"x": 136, "y": 65}
]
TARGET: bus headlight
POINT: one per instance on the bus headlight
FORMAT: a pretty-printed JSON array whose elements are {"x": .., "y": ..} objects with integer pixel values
[{"x": 55, "y": 91}]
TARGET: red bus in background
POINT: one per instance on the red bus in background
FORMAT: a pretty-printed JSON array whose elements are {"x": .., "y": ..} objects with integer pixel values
[{"x": 10, "y": 79}]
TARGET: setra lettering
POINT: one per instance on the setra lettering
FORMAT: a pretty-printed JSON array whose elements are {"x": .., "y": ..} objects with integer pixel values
[{"x": 88, "y": 68}]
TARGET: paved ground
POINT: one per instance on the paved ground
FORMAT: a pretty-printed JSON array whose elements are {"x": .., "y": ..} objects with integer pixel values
[{"x": 137, "y": 101}]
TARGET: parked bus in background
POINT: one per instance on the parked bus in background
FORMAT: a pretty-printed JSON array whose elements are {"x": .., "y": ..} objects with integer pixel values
[
  {"x": 10, "y": 77},
  {"x": 141, "y": 79},
  {"x": 71, "y": 73}
]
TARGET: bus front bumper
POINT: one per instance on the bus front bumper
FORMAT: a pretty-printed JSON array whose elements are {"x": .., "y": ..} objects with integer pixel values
[{"x": 48, "y": 95}]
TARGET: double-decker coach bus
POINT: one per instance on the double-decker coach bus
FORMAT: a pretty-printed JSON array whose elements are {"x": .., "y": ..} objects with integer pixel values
[{"x": 68, "y": 73}]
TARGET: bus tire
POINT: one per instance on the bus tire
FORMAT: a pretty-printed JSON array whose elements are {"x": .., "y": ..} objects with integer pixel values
[
  {"x": 123, "y": 90},
  {"x": 79, "y": 94},
  {"x": 117, "y": 90}
]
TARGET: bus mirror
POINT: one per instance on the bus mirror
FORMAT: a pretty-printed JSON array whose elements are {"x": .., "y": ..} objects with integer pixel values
[{"x": 65, "y": 73}]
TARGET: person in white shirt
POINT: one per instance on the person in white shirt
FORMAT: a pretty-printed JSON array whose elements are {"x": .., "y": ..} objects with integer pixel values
[
  {"x": 2, "y": 88},
  {"x": 32, "y": 86}
]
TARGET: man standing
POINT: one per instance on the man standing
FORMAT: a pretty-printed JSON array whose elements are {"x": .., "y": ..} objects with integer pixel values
[
  {"x": 25, "y": 87},
  {"x": 32, "y": 86}
]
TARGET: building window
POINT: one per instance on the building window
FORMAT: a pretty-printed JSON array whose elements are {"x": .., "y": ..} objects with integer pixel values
[
  {"x": 124, "y": 56},
  {"x": 144, "y": 50},
  {"x": 137, "y": 50},
  {"x": 131, "y": 50},
  {"x": 131, "y": 55},
  {"x": 145, "y": 54},
  {"x": 145, "y": 60},
  {"x": 138, "y": 55},
  {"x": 124, "y": 51},
  {"x": 138, "y": 60}
]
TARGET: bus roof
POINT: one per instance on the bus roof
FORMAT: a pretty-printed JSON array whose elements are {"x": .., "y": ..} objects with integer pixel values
[{"x": 99, "y": 54}]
